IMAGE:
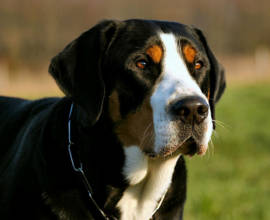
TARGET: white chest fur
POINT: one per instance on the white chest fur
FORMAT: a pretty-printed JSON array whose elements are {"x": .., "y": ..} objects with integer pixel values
[{"x": 149, "y": 180}]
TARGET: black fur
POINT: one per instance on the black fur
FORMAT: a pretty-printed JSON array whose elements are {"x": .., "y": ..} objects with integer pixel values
[
  {"x": 216, "y": 75},
  {"x": 36, "y": 177}
]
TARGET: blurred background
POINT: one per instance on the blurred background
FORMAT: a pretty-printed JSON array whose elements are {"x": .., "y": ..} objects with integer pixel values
[{"x": 233, "y": 180}]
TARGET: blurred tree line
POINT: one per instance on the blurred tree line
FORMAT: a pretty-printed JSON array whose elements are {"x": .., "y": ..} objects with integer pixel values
[{"x": 32, "y": 31}]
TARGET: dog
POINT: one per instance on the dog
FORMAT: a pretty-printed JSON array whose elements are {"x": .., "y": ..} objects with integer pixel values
[{"x": 139, "y": 95}]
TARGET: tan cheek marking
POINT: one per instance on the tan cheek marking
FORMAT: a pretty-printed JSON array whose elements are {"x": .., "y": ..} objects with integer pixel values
[
  {"x": 114, "y": 106},
  {"x": 208, "y": 94},
  {"x": 155, "y": 52},
  {"x": 189, "y": 53},
  {"x": 137, "y": 128}
]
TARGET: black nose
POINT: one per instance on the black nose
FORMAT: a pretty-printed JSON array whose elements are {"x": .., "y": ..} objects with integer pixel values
[{"x": 192, "y": 109}]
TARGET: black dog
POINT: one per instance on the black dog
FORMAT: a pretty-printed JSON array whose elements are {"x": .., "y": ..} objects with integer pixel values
[{"x": 139, "y": 95}]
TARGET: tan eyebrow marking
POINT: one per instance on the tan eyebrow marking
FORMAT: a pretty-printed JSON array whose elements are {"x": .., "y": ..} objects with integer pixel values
[
  {"x": 155, "y": 52},
  {"x": 189, "y": 53}
]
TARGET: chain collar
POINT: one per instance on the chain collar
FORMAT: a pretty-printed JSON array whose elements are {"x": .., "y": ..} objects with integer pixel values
[{"x": 79, "y": 170}]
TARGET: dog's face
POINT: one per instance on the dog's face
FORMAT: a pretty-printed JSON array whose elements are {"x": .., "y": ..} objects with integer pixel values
[{"x": 157, "y": 81}]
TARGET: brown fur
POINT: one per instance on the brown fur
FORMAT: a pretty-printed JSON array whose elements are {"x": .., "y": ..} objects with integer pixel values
[
  {"x": 114, "y": 106},
  {"x": 208, "y": 94},
  {"x": 155, "y": 52},
  {"x": 189, "y": 53},
  {"x": 137, "y": 128}
]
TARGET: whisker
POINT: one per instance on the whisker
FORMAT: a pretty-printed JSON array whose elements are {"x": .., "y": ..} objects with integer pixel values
[
  {"x": 210, "y": 151},
  {"x": 222, "y": 124},
  {"x": 147, "y": 128},
  {"x": 212, "y": 147},
  {"x": 149, "y": 139},
  {"x": 215, "y": 134},
  {"x": 146, "y": 134}
]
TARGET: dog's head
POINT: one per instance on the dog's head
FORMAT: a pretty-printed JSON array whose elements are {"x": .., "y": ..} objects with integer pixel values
[{"x": 157, "y": 81}]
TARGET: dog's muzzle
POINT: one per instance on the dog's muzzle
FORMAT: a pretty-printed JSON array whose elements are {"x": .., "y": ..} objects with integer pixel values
[{"x": 188, "y": 116}]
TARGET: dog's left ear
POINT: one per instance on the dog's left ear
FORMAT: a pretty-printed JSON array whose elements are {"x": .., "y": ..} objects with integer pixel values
[
  {"x": 77, "y": 69},
  {"x": 217, "y": 75}
]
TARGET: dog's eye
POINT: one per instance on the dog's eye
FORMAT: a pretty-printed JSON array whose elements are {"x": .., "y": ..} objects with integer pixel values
[
  {"x": 198, "y": 65},
  {"x": 141, "y": 64}
]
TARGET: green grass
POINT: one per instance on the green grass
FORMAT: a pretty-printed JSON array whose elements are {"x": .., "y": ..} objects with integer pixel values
[{"x": 232, "y": 181}]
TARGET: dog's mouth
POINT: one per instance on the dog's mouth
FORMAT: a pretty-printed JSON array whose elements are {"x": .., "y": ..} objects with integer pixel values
[{"x": 189, "y": 147}]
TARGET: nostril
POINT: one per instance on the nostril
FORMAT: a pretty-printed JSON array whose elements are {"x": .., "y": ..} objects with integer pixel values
[
  {"x": 184, "y": 112},
  {"x": 201, "y": 114},
  {"x": 202, "y": 110}
]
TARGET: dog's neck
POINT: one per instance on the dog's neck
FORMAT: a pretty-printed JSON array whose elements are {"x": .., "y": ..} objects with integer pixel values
[{"x": 149, "y": 181}]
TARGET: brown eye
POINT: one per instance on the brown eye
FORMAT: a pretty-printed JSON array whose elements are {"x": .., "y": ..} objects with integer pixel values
[
  {"x": 141, "y": 64},
  {"x": 198, "y": 65}
]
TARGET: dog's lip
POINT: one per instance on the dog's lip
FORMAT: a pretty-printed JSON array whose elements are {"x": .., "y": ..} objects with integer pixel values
[
  {"x": 189, "y": 147},
  {"x": 202, "y": 150}
]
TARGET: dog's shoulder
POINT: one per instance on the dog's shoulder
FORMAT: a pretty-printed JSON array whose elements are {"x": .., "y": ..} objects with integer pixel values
[
  {"x": 13, "y": 115},
  {"x": 22, "y": 108},
  {"x": 23, "y": 133},
  {"x": 18, "y": 115}
]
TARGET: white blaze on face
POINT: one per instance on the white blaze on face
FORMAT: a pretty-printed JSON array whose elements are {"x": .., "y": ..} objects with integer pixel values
[{"x": 176, "y": 83}]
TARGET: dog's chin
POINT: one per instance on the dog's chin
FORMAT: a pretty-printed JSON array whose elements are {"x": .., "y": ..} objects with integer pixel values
[{"x": 189, "y": 147}]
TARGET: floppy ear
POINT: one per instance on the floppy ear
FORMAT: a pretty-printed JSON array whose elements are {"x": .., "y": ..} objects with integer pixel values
[
  {"x": 217, "y": 76},
  {"x": 77, "y": 69}
]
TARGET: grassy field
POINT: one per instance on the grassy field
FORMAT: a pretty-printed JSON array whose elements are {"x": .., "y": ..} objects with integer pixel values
[{"x": 233, "y": 180}]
